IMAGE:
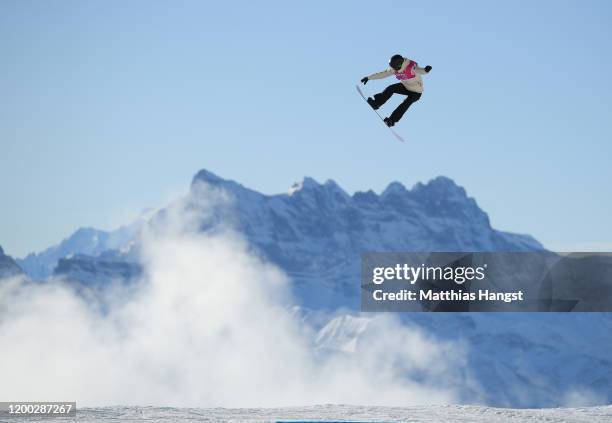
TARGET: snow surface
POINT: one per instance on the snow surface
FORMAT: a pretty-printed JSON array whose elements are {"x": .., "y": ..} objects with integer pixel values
[{"x": 425, "y": 414}]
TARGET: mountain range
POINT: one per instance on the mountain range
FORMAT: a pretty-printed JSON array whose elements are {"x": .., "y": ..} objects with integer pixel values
[
  {"x": 316, "y": 233},
  {"x": 8, "y": 266}
]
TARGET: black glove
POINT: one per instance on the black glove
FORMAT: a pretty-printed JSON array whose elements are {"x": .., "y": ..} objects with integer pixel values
[
  {"x": 364, "y": 80},
  {"x": 427, "y": 68}
]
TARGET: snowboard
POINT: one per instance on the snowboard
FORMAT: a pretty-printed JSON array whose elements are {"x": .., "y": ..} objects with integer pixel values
[{"x": 395, "y": 134}]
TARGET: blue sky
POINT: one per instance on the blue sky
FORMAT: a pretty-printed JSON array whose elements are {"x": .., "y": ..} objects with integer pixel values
[{"x": 110, "y": 107}]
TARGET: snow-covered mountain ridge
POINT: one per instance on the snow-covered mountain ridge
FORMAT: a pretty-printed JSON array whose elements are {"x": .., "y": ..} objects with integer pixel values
[
  {"x": 315, "y": 234},
  {"x": 8, "y": 266},
  {"x": 84, "y": 241}
]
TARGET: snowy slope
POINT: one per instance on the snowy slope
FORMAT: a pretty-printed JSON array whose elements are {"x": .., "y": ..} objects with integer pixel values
[
  {"x": 426, "y": 414},
  {"x": 517, "y": 359}
]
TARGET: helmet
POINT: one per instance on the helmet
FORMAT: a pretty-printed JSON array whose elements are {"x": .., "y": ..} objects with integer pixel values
[{"x": 396, "y": 61}]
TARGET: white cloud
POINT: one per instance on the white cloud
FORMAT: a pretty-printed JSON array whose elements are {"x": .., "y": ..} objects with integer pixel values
[
  {"x": 208, "y": 325},
  {"x": 582, "y": 397}
]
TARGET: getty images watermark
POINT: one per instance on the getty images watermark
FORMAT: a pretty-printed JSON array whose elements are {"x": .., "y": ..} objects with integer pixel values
[{"x": 508, "y": 281}]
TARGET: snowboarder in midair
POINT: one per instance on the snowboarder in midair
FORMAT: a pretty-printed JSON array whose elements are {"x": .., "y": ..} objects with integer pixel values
[{"x": 411, "y": 85}]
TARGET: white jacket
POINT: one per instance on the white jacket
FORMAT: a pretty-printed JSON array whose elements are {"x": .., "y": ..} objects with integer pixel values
[{"x": 409, "y": 75}]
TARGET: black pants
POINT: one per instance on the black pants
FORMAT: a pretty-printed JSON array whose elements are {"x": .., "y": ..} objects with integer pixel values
[{"x": 411, "y": 97}]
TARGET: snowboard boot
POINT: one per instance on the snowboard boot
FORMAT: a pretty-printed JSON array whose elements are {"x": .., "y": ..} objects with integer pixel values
[
  {"x": 372, "y": 103},
  {"x": 389, "y": 122}
]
